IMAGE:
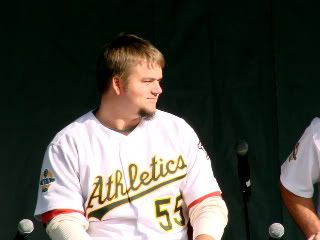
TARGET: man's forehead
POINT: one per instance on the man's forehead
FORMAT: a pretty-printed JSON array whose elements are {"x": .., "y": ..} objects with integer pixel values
[
  {"x": 148, "y": 64},
  {"x": 146, "y": 67}
]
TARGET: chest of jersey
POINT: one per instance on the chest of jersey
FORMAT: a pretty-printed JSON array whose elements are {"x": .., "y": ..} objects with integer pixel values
[{"x": 118, "y": 172}]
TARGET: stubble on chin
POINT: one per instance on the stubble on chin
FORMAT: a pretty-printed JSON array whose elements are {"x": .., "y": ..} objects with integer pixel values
[{"x": 145, "y": 114}]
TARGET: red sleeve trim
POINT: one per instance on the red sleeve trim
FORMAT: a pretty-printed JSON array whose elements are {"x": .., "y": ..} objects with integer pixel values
[
  {"x": 214, "y": 194},
  {"x": 47, "y": 216}
]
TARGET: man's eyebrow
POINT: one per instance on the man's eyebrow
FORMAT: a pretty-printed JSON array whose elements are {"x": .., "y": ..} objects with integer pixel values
[{"x": 150, "y": 78}]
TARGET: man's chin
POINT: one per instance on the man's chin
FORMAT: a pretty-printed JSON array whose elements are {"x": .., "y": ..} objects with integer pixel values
[{"x": 146, "y": 114}]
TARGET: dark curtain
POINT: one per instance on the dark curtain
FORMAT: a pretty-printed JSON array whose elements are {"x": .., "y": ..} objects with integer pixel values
[{"x": 235, "y": 70}]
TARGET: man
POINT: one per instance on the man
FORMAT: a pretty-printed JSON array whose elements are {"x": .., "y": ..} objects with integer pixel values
[
  {"x": 127, "y": 170},
  {"x": 299, "y": 173}
]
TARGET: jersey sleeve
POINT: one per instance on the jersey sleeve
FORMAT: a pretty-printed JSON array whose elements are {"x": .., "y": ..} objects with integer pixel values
[
  {"x": 200, "y": 182},
  {"x": 59, "y": 185},
  {"x": 301, "y": 169}
]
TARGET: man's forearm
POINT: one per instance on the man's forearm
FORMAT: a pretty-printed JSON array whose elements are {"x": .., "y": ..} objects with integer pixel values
[
  {"x": 204, "y": 237},
  {"x": 302, "y": 211},
  {"x": 209, "y": 218}
]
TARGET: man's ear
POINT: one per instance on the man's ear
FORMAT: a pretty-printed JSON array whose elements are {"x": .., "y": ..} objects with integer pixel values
[{"x": 116, "y": 85}]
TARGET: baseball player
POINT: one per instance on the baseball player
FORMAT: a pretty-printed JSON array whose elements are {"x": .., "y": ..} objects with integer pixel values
[
  {"x": 299, "y": 173},
  {"x": 127, "y": 170}
]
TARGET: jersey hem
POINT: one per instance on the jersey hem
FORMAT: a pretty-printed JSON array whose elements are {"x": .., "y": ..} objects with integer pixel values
[{"x": 292, "y": 190}]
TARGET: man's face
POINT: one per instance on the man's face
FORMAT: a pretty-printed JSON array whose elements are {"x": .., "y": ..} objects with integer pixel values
[{"x": 143, "y": 88}]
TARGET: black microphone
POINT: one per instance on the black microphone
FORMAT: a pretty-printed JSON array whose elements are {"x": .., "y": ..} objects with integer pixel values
[
  {"x": 25, "y": 227},
  {"x": 276, "y": 231},
  {"x": 243, "y": 167}
]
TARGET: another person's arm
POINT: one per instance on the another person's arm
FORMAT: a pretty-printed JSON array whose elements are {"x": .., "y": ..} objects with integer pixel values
[
  {"x": 302, "y": 211},
  {"x": 299, "y": 173}
]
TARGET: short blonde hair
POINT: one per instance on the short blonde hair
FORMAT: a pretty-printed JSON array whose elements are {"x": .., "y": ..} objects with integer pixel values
[{"x": 121, "y": 54}]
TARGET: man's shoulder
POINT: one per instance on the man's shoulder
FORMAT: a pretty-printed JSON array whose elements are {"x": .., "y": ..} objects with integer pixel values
[
  {"x": 168, "y": 117},
  {"x": 169, "y": 121},
  {"x": 73, "y": 129},
  {"x": 163, "y": 115},
  {"x": 314, "y": 128},
  {"x": 316, "y": 122}
]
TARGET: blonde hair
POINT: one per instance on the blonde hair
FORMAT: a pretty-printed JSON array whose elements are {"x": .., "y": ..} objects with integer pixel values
[{"x": 121, "y": 54}]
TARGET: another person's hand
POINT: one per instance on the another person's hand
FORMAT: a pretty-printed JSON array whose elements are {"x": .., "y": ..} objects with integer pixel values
[{"x": 315, "y": 236}]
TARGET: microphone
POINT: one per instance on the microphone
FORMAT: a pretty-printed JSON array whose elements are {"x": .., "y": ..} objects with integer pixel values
[
  {"x": 243, "y": 167},
  {"x": 276, "y": 231},
  {"x": 25, "y": 227}
]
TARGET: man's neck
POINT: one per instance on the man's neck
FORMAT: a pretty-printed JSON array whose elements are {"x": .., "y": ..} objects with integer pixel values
[{"x": 116, "y": 122}]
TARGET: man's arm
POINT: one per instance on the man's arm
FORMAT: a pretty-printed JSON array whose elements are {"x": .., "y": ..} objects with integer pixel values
[
  {"x": 68, "y": 226},
  {"x": 302, "y": 211},
  {"x": 209, "y": 218},
  {"x": 204, "y": 237}
]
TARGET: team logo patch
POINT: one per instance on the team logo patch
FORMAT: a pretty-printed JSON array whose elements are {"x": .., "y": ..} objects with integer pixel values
[
  {"x": 293, "y": 154},
  {"x": 46, "y": 178}
]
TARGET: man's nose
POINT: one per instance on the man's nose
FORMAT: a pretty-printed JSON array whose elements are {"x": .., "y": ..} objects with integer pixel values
[{"x": 157, "y": 88}]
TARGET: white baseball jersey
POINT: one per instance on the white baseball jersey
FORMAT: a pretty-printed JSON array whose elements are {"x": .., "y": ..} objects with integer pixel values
[
  {"x": 301, "y": 170},
  {"x": 137, "y": 186}
]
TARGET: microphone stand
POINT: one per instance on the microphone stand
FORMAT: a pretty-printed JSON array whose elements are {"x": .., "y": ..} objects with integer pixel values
[
  {"x": 245, "y": 197},
  {"x": 245, "y": 186}
]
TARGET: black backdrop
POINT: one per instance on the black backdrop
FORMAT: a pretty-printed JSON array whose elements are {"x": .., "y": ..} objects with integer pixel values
[{"x": 235, "y": 70}]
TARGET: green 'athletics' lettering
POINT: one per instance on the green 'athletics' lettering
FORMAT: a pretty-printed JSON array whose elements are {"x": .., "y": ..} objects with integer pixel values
[{"x": 115, "y": 189}]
